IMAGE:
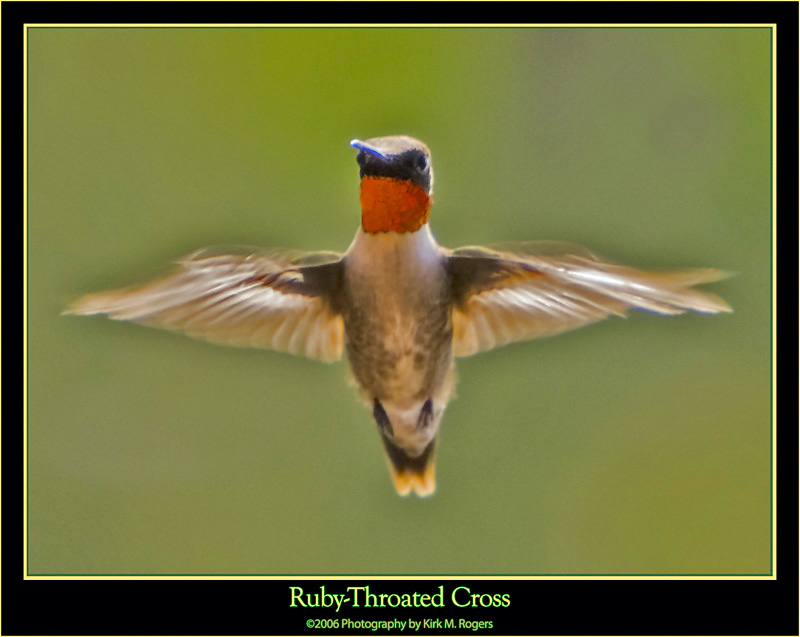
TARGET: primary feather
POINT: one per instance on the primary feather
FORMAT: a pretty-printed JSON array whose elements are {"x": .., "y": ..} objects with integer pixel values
[
  {"x": 516, "y": 294},
  {"x": 257, "y": 299}
]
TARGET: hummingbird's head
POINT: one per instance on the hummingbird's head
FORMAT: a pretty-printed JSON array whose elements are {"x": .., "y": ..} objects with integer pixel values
[{"x": 396, "y": 183}]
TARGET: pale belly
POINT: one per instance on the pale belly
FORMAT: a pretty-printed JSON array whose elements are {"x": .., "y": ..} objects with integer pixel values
[{"x": 398, "y": 358}]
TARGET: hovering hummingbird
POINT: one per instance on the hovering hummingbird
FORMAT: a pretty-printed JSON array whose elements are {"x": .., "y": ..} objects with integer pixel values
[{"x": 398, "y": 305}]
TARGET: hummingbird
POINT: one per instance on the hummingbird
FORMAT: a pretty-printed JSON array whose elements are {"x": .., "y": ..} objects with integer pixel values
[{"x": 397, "y": 305}]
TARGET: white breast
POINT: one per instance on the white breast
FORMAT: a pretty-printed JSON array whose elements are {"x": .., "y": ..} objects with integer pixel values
[{"x": 407, "y": 253}]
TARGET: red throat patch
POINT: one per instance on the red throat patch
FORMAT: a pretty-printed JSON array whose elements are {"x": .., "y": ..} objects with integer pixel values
[{"x": 393, "y": 205}]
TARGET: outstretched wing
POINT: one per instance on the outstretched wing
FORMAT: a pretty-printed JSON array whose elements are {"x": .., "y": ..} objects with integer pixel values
[
  {"x": 281, "y": 300},
  {"x": 532, "y": 290}
]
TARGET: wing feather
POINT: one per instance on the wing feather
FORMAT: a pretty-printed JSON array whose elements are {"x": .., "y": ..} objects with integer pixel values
[
  {"x": 281, "y": 300},
  {"x": 534, "y": 290}
]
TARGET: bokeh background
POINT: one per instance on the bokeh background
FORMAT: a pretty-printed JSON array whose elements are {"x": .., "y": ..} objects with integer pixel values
[{"x": 638, "y": 446}]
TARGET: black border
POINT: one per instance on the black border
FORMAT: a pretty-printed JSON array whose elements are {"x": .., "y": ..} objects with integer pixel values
[{"x": 562, "y": 607}]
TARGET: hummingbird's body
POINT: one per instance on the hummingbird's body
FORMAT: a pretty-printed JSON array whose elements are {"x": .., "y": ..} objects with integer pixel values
[
  {"x": 398, "y": 334},
  {"x": 396, "y": 304}
]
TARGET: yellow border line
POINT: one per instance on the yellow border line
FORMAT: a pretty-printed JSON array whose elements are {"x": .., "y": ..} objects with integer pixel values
[
  {"x": 367, "y": 25},
  {"x": 772, "y": 26},
  {"x": 774, "y": 397},
  {"x": 25, "y": 303}
]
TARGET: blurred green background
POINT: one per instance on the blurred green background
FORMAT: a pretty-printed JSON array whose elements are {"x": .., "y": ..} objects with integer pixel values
[{"x": 632, "y": 446}]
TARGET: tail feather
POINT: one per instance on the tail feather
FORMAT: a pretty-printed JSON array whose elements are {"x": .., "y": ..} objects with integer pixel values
[{"x": 412, "y": 474}]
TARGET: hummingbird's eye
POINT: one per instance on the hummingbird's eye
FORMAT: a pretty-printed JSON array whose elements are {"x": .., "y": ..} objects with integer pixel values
[{"x": 422, "y": 162}]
